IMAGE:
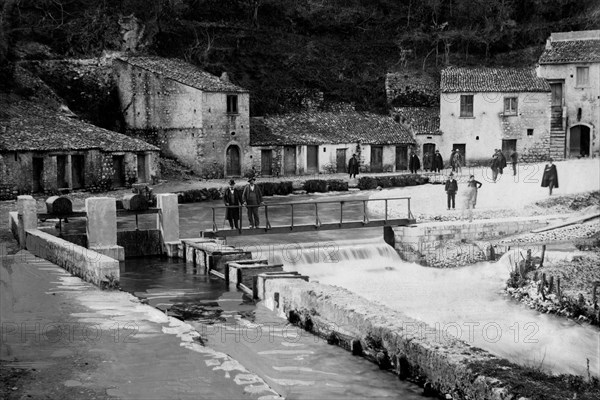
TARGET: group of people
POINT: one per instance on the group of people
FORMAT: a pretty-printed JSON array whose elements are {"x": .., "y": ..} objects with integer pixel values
[
  {"x": 498, "y": 163},
  {"x": 251, "y": 198},
  {"x": 433, "y": 161}
]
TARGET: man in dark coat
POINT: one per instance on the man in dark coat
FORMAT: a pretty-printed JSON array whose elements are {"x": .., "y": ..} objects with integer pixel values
[
  {"x": 550, "y": 177},
  {"x": 414, "y": 164},
  {"x": 427, "y": 161},
  {"x": 353, "y": 166},
  {"x": 502, "y": 161},
  {"x": 252, "y": 199},
  {"x": 495, "y": 166},
  {"x": 232, "y": 198},
  {"x": 451, "y": 189},
  {"x": 438, "y": 162}
]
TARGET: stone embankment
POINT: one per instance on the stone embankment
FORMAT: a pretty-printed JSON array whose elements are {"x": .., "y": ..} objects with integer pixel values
[{"x": 443, "y": 365}]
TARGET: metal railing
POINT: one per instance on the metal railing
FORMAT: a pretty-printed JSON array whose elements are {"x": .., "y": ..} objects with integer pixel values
[{"x": 366, "y": 220}]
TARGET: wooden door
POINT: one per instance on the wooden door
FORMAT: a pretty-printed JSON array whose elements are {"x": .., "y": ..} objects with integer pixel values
[
  {"x": 61, "y": 171},
  {"x": 462, "y": 148},
  {"x": 38, "y": 170},
  {"x": 78, "y": 171},
  {"x": 141, "y": 168},
  {"x": 340, "y": 160},
  {"x": 401, "y": 158},
  {"x": 312, "y": 159},
  {"x": 556, "y": 109},
  {"x": 266, "y": 162},
  {"x": 289, "y": 160},
  {"x": 429, "y": 148},
  {"x": 376, "y": 158},
  {"x": 233, "y": 167},
  {"x": 119, "y": 171},
  {"x": 507, "y": 146}
]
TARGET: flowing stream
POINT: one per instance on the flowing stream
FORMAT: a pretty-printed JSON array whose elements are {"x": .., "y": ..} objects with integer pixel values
[{"x": 466, "y": 303}]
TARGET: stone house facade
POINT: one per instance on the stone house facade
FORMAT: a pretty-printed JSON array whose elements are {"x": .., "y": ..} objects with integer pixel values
[
  {"x": 195, "y": 117},
  {"x": 44, "y": 151},
  {"x": 314, "y": 142},
  {"x": 571, "y": 65},
  {"x": 482, "y": 109},
  {"x": 424, "y": 124}
]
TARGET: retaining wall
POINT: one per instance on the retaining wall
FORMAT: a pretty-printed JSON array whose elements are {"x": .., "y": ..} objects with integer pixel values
[
  {"x": 407, "y": 346},
  {"x": 425, "y": 241},
  {"x": 85, "y": 263}
]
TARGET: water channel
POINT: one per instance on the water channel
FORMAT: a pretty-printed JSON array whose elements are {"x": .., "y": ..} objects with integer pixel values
[{"x": 463, "y": 302}]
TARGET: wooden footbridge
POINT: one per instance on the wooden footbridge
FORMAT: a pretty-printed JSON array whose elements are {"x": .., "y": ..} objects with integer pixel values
[{"x": 345, "y": 218}]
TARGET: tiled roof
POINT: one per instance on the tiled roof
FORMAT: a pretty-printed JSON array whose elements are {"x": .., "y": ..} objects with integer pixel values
[
  {"x": 314, "y": 128},
  {"x": 456, "y": 80},
  {"x": 183, "y": 72},
  {"x": 422, "y": 120},
  {"x": 570, "y": 51},
  {"x": 25, "y": 126}
]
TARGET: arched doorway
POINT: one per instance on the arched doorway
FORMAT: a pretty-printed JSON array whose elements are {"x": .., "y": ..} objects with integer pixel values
[
  {"x": 579, "y": 141},
  {"x": 232, "y": 161}
]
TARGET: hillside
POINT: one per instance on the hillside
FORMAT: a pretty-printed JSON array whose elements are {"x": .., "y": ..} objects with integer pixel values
[{"x": 285, "y": 51}]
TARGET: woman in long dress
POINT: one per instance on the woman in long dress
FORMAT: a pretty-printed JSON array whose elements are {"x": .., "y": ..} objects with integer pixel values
[{"x": 471, "y": 196}]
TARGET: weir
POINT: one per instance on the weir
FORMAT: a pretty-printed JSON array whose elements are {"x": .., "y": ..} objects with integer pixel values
[{"x": 289, "y": 292}]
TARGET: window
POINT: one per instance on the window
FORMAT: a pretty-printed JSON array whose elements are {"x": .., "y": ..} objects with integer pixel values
[
  {"x": 529, "y": 132},
  {"x": 466, "y": 105},
  {"x": 510, "y": 106},
  {"x": 583, "y": 76},
  {"x": 232, "y": 104}
]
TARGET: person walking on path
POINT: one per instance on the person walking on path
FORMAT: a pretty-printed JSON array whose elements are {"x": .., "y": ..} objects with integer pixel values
[
  {"x": 233, "y": 200},
  {"x": 427, "y": 161},
  {"x": 252, "y": 199},
  {"x": 451, "y": 189},
  {"x": 353, "y": 166},
  {"x": 414, "y": 164},
  {"x": 495, "y": 166},
  {"x": 550, "y": 177},
  {"x": 471, "y": 196},
  {"x": 513, "y": 159},
  {"x": 438, "y": 162}
]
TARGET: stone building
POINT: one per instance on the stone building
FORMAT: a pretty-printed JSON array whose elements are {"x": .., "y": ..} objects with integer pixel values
[
  {"x": 198, "y": 118},
  {"x": 571, "y": 65},
  {"x": 45, "y": 151},
  {"x": 482, "y": 109},
  {"x": 315, "y": 142},
  {"x": 424, "y": 125}
]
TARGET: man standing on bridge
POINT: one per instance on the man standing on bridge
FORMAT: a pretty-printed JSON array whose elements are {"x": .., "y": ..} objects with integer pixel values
[{"x": 252, "y": 199}]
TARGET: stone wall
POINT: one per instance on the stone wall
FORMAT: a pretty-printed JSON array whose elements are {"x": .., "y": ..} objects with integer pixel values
[
  {"x": 429, "y": 241},
  {"x": 85, "y": 263},
  {"x": 489, "y": 125},
  {"x": 406, "y": 346}
]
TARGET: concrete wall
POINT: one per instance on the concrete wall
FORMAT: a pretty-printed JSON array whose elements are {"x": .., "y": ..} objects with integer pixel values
[
  {"x": 420, "y": 242},
  {"x": 484, "y": 132},
  {"x": 87, "y": 264},
  {"x": 407, "y": 346},
  {"x": 585, "y": 98}
]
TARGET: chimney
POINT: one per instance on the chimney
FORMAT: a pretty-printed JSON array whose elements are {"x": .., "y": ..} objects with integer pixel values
[{"x": 225, "y": 77}]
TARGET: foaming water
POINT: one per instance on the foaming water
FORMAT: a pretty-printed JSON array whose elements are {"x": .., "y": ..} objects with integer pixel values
[{"x": 465, "y": 302}]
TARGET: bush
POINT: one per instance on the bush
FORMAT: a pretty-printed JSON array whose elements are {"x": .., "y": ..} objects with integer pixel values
[
  {"x": 315, "y": 185},
  {"x": 337, "y": 185},
  {"x": 367, "y": 183},
  {"x": 330, "y": 168},
  {"x": 268, "y": 188},
  {"x": 285, "y": 188},
  {"x": 384, "y": 181}
]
